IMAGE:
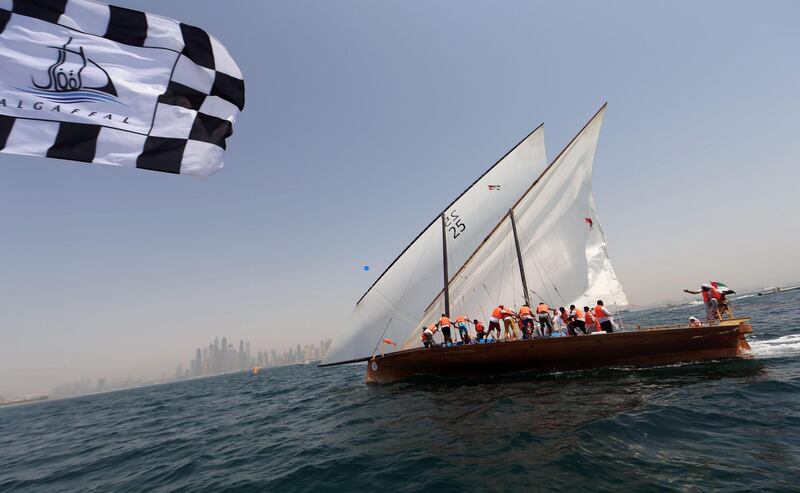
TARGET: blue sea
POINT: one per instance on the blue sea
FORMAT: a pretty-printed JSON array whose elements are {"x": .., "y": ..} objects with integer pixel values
[{"x": 716, "y": 426}]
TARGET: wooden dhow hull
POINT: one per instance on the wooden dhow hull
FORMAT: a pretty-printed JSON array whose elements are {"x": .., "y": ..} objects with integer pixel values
[{"x": 643, "y": 347}]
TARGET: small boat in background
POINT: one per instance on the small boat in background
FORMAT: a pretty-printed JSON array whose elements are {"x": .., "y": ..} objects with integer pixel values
[
  {"x": 523, "y": 232},
  {"x": 776, "y": 290}
]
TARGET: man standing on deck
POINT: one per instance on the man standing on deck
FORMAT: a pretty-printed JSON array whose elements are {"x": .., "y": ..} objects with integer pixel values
[
  {"x": 543, "y": 312},
  {"x": 588, "y": 318},
  {"x": 603, "y": 317},
  {"x": 444, "y": 326},
  {"x": 711, "y": 298},
  {"x": 526, "y": 315},
  {"x": 494, "y": 321},
  {"x": 509, "y": 323}
]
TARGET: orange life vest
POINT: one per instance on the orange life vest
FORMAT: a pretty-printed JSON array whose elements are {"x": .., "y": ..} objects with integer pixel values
[
  {"x": 578, "y": 314},
  {"x": 496, "y": 312},
  {"x": 542, "y": 308},
  {"x": 433, "y": 328},
  {"x": 460, "y": 319},
  {"x": 525, "y": 310},
  {"x": 479, "y": 327},
  {"x": 588, "y": 318},
  {"x": 444, "y": 322},
  {"x": 706, "y": 295},
  {"x": 564, "y": 316},
  {"x": 598, "y": 312}
]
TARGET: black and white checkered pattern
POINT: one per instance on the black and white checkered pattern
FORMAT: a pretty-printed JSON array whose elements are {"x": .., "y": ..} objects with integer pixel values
[{"x": 192, "y": 118}]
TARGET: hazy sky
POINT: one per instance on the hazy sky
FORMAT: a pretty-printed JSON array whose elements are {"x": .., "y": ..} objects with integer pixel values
[{"x": 365, "y": 118}]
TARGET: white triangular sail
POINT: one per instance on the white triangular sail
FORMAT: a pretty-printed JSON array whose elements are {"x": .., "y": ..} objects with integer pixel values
[
  {"x": 565, "y": 258},
  {"x": 394, "y": 304}
]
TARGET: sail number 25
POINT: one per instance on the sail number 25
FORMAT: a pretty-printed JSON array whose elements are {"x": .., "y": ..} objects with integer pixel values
[{"x": 453, "y": 223}]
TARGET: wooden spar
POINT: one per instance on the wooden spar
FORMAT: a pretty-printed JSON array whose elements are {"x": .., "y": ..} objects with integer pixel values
[
  {"x": 444, "y": 266},
  {"x": 519, "y": 258}
]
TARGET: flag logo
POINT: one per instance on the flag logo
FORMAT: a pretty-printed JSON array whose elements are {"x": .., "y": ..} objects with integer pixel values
[
  {"x": 589, "y": 222},
  {"x": 494, "y": 187},
  {"x": 65, "y": 82}
]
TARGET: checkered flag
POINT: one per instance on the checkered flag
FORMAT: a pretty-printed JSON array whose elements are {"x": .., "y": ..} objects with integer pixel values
[{"x": 90, "y": 82}]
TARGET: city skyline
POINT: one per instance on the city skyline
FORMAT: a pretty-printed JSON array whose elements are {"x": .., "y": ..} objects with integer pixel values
[{"x": 218, "y": 357}]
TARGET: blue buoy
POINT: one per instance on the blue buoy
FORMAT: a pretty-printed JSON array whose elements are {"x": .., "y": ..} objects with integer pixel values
[{"x": 366, "y": 268}]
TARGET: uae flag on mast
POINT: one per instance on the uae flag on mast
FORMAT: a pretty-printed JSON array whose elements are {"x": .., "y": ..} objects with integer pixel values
[{"x": 90, "y": 82}]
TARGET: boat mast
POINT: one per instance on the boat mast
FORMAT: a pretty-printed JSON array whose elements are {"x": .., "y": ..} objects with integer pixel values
[
  {"x": 519, "y": 257},
  {"x": 444, "y": 264}
]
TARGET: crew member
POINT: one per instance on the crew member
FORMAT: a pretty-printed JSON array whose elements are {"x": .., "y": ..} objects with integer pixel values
[
  {"x": 711, "y": 298},
  {"x": 588, "y": 318},
  {"x": 526, "y": 315},
  {"x": 479, "y": 330},
  {"x": 576, "y": 319},
  {"x": 427, "y": 335},
  {"x": 494, "y": 321},
  {"x": 564, "y": 320},
  {"x": 694, "y": 322},
  {"x": 543, "y": 312},
  {"x": 444, "y": 326},
  {"x": 509, "y": 323},
  {"x": 463, "y": 329},
  {"x": 603, "y": 317}
]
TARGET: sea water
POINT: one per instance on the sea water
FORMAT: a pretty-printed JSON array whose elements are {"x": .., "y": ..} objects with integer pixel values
[{"x": 725, "y": 425}]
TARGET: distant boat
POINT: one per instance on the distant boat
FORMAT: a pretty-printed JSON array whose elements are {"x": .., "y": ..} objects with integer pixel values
[
  {"x": 524, "y": 231},
  {"x": 776, "y": 290}
]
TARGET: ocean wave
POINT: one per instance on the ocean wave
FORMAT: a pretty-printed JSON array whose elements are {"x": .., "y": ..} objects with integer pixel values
[{"x": 780, "y": 347}]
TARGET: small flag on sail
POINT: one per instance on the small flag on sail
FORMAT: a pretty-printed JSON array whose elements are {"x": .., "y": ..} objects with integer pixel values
[
  {"x": 494, "y": 187},
  {"x": 589, "y": 222},
  {"x": 90, "y": 82},
  {"x": 722, "y": 288}
]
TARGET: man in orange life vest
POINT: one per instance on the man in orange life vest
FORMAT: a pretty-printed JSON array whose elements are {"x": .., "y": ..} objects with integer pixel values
[
  {"x": 494, "y": 321},
  {"x": 603, "y": 317},
  {"x": 563, "y": 319},
  {"x": 526, "y": 315},
  {"x": 576, "y": 321},
  {"x": 543, "y": 311},
  {"x": 444, "y": 326},
  {"x": 427, "y": 335},
  {"x": 463, "y": 330},
  {"x": 509, "y": 323},
  {"x": 588, "y": 318},
  {"x": 479, "y": 329},
  {"x": 711, "y": 299}
]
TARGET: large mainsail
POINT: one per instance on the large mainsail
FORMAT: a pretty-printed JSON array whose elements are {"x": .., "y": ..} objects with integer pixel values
[
  {"x": 394, "y": 304},
  {"x": 565, "y": 257}
]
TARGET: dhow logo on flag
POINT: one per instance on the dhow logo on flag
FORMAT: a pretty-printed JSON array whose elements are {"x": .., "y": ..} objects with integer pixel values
[{"x": 90, "y": 82}]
